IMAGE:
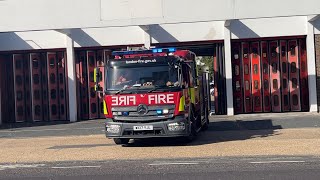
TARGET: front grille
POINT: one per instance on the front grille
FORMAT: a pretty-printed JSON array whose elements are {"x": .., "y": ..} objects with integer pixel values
[{"x": 134, "y": 117}]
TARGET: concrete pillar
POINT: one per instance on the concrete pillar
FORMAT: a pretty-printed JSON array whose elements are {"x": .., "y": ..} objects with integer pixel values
[
  {"x": 311, "y": 65},
  {"x": 228, "y": 67},
  {"x": 72, "y": 83},
  {"x": 146, "y": 36}
]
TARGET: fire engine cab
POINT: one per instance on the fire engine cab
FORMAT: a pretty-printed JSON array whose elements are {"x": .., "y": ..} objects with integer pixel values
[{"x": 154, "y": 93}]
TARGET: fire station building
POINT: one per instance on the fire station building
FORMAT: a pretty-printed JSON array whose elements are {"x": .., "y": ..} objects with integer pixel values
[{"x": 266, "y": 53}]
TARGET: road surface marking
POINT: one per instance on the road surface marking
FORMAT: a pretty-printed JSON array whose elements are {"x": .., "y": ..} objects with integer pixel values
[
  {"x": 174, "y": 163},
  {"x": 74, "y": 167},
  {"x": 15, "y": 166},
  {"x": 268, "y": 162}
]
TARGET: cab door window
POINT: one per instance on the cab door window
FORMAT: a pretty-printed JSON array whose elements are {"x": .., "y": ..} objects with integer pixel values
[
  {"x": 194, "y": 73},
  {"x": 186, "y": 76}
]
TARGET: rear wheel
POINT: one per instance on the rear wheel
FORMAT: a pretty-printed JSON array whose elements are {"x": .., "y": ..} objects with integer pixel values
[{"x": 121, "y": 141}]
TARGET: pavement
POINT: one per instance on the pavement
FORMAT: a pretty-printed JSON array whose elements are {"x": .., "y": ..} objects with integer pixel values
[{"x": 291, "y": 134}]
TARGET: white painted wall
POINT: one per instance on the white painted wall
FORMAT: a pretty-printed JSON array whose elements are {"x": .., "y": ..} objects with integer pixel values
[
  {"x": 24, "y": 15},
  {"x": 269, "y": 27},
  {"x": 108, "y": 36},
  {"x": 183, "y": 32},
  {"x": 164, "y": 33},
  {"x": 31, "y": 40}
]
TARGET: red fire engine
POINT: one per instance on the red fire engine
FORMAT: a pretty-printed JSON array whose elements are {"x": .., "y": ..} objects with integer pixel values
[{"x": 154, "y": 93}]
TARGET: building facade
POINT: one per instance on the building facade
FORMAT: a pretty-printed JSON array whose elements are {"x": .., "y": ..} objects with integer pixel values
[{"x": 266, "y": 53}]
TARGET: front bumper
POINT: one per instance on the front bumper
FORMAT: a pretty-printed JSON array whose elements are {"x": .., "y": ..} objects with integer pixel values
[{"x": 160, "y": 129}]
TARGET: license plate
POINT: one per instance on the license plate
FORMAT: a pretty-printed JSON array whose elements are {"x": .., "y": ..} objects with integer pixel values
[{"x": 142, "y": 128}]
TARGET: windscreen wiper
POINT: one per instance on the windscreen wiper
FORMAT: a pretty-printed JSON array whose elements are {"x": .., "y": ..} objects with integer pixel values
[
  {"x": 122, "y": 90},
  {"x": 156, "y": 88}
]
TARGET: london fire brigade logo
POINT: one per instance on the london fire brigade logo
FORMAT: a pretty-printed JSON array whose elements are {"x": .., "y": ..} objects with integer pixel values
[{"x": 142, "y": 109}]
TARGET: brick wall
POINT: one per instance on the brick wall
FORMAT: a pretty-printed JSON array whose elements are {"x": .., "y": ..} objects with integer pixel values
[{"x": 317, "y": 44}]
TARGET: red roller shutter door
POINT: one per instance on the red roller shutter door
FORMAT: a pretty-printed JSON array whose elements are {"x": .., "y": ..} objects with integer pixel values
[
  {"x": 294, "y": 75},
  {"x": 256, "y": 77},
  {"x": 45, "y": 92},
  {"x": 93, "y": 99},
  {"x": 27, "y": 86},
  {"x": 53, "y": 86},
  {"x": 19, "y": 83},
  {"x": 102, "y": 57},
  {"x": 304, "y": 75},
  {"x": 62, "y": 86},
  {"x": 284, "y": 76},
  {"x": 275, "y": 76},
  {"x": 246, "y": 78},
  {"x": 36, "y": 82},
  {"x": 265, "y": 77},
  {"x": 84, "y": 85},
  {"x": 237, "y": 78},
  {"x": 78, "y": 76}
]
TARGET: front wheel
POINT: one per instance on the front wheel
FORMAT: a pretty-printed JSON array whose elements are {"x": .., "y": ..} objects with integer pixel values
[
  {"x": 193, "y": 127},
  {"x": 205, "y": 126},
  {"x": 121, "y": 141}
]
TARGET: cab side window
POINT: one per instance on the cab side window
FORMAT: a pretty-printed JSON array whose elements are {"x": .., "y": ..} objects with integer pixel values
[
  {"x": 194, "y": 73},
  {"x": 187, "y": 78}
]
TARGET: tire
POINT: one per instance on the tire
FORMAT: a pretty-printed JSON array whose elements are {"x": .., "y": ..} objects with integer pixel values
[
  {"x": 193, "y": 132},
  {"x": 120, "y": 141},
  {"x": 205, "y": 126}
]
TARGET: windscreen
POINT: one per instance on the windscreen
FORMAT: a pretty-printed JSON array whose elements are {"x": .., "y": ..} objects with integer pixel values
[{"x": 141, "y": 77}]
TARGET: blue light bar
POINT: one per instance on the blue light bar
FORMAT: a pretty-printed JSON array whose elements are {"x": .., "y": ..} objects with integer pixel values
[
  {"x": 172, "y": 49},
  {"x": 156, "y": 50}
]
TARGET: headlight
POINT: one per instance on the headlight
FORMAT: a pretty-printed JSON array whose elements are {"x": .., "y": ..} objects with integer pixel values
[
  {"x": 179, "y": 126},
  {"x": 165, "y": 111},
  {"x": 113, "y": 128},
  {"x": 117, "y": 113},
  {"x": 162, "y": 111}
]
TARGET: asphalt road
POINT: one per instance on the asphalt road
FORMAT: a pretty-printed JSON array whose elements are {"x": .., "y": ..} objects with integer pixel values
[{"x": 204, "y": 168}]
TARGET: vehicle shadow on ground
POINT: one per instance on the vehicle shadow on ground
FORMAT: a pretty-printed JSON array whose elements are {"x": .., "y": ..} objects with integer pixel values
[{"x": 217, "y": 132}]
